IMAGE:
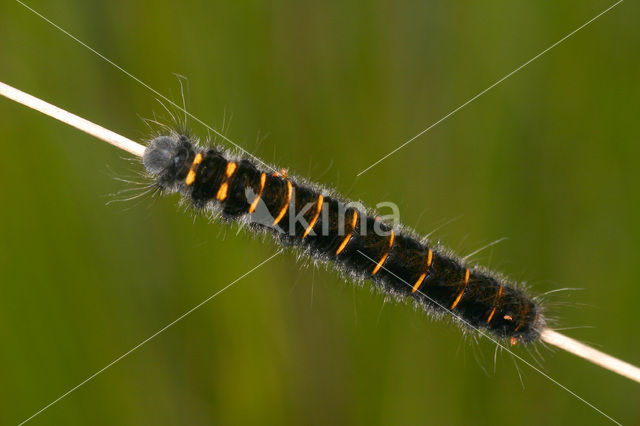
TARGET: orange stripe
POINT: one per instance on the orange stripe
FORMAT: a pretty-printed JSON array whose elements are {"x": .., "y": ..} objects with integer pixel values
[
  {"x": 466, "y": 282},
  {"x": 379, "y": 265},
  {"x": 344, "y": 243},
  {"x": 495, "y": 302},
  {"x": 254, "y": 204},
  {"x": 493, "y": 311},
  {"x": 191, "y": 176},
  {"x": 223, "y": 192},
  {"x": 231, "y": 168},
  {"x": 315, "y": 218},
  {"x": 354, "y": 221},
  {"x": 416, "y": 286},
  {"x": 455, "y": 302},
  {"x": 418, "y": 283},
  {"x": 286, "y": 205}
]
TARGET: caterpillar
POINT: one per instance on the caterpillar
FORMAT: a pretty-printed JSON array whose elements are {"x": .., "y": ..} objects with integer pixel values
[
  {"x": 334, "y": 230},
  {"x": 219, "y": 200},
  {"x": 234, "y": 187}
]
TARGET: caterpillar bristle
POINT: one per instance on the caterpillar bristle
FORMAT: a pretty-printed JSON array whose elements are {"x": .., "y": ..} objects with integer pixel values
[
  {"x": 329, "y": 229},
  {"x": 158, "y": 164}
]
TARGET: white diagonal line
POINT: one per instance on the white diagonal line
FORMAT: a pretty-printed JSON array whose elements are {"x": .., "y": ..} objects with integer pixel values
[
  {"x": 482, "y": 333},
  {"x": 491, "y": 87},
  {"x": 85, "y": 381},
  {"x": 277, "y": 253},
  {"x": 157, "y": 93}
]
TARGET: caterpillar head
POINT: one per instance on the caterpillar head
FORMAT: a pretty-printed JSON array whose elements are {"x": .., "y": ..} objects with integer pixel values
[
  {"x": 168, "y": 158},
  {"x": 518, "y": 318},
  {"x": 159, "y": 154}
]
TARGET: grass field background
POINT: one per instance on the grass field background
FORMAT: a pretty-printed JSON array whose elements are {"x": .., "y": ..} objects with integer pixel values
[{"x": 547, "y": 159}]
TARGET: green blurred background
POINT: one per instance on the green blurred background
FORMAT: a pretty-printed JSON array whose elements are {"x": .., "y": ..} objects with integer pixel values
[{"x": 549, "y": 159}]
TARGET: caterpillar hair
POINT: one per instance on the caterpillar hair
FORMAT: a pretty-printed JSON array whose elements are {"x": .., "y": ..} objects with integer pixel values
[
  {"x": 335, "y": 230},
  {"x": 330, "y": 229}
]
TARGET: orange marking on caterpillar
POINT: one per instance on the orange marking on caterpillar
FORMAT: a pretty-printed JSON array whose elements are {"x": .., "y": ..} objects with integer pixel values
[
  {"x": 379, "y": 265},
  {"x": 493, "y": 311},
  {"x": 354, "y": 221},
  {"x": 495, "y": 302},
  {"x": 282, "y": 173},
  {"x": 315, "y": 217},
  {"x": 223, "y": 191},
  {"x": 381, "y": 262},
  {"x": 513, "y": 341},
  {"x": 508, "y": 317},
  {"x": 455, "y": 302},
  {"x": 466, "y": 282},
  {"x": 191, "y": 176},
  {"x": 416, "y": 286},
  {"x": 286, "y": 205},
  {"x": 231, "y": 168},
  {"x": 418, "y": 283},
  {"x": 254, "y": 204}
]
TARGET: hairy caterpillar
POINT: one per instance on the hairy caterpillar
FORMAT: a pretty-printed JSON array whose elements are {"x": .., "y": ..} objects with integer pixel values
[
  {"x": 329, "y": 229},
  {"x": 294, "y": 139},
  {"x": 180, "y": 166}
]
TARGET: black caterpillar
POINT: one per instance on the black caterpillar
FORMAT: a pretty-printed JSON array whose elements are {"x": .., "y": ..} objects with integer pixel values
[{"x": 330, "y": 229}]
